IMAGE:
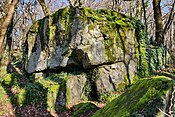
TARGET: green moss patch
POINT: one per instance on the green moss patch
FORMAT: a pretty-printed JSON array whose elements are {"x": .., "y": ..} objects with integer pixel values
[
  {"x": 30, "y": 94},
  {"x": 42, "y": 92},
  {"x": 158, "y": 58},
  {"x": 52, "y": 93},
  {"x": 11, "y": 79},
  {"x": 143, "y": 97},
  {"x": 107, "y": 97},
  {"x": 83, "y": 108},
  {"x": 141, "y": 52}
]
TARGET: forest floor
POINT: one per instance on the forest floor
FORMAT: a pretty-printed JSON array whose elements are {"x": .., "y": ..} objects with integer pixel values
[
  {"x": 34, "y": 110},
  {"x": 9, "y": 109},
  {"x": 6, "y": 108}
]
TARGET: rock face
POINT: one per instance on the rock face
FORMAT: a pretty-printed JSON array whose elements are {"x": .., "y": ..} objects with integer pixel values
[
  {"x": 75, "y": 85},
  {"x": 107, "y": 48},
  {"x": 144, "y": 98},
  {"x": 80, "y": 38}
]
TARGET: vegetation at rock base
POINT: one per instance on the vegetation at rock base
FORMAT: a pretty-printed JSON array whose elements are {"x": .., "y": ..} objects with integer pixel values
[{"x": 83, "y": 108}]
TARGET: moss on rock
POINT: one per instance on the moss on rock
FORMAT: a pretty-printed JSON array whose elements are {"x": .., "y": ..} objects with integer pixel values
[
  {"x": 83, "y": 108},
  {"x": 102, "y": 32},
  {"x": 52, "y": 89},
  {"x": 71, "y": 86},
  {"x": 143, "y": 97}
]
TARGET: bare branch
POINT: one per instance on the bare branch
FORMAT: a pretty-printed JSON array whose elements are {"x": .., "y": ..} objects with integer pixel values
[
  {"x": 164, "y": 112},
  {"x": 44, "y": 7},
  {"x": 170, "y": 19}
]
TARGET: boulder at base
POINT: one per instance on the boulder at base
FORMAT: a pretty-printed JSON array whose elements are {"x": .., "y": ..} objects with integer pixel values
[{"x": 145, "y": 98}]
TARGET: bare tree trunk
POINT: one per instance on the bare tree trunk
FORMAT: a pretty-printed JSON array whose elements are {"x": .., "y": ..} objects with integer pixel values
[
  {"x": 8, "y": 46},
  {"x": 138, "y": 8},
  {"x": 144, "y": 13},
  {"x": 44, "y": 7},
  {"x": 75, "y": 3},
  {"x": 114, "y": 3},
  {"x": 131, "y": 9},
  {"x": 158, "y": 22},
  {"x": 170, "y": 19},
  {"x": 11, "y": 6}
]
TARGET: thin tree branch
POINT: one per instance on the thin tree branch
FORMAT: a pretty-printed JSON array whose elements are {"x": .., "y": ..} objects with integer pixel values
[
  {"x": 44, "y": 7},
  {"x": 163, "y": 112},
  {"x": 170, "y": 19}
]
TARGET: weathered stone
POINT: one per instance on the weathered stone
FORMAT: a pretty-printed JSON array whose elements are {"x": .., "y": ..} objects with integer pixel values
[
  {"x": 132, "y": 67},
  {"x": 52, "y": 93},
  {"x": 59, "y": 41},
  {"x": 75, "y": 85},
  {"x": 108, "y": 49},
  {"x": 71, "y": 87},
  {"x": 146, "y": 97},
  {"x": 114, "y": 77}
]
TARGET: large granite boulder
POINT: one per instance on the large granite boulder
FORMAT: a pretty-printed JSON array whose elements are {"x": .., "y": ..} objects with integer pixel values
[
  {"x": 80, "y": 37},
  {"x": 91, "y": 51}
]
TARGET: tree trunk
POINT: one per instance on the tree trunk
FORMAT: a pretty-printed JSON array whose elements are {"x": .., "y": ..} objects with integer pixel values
[
  {"x": 75, "y": 3},
  {"x": 170, "y": 19},
  {"x": 44, "y": 7},
  {"x": 158, "y": 22},
  {"x": 144, "y": 13},
  {"x": 11, "y": 6}
]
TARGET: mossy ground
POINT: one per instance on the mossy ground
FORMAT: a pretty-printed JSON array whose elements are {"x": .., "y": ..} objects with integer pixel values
[
  {"x": 37, "y": 96},
  {"x": 138, "y": 98},
  {"x": 83, "y": 108},
  {"x": 11, "y": 79},
  {"x": 23, "y": 93}
]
